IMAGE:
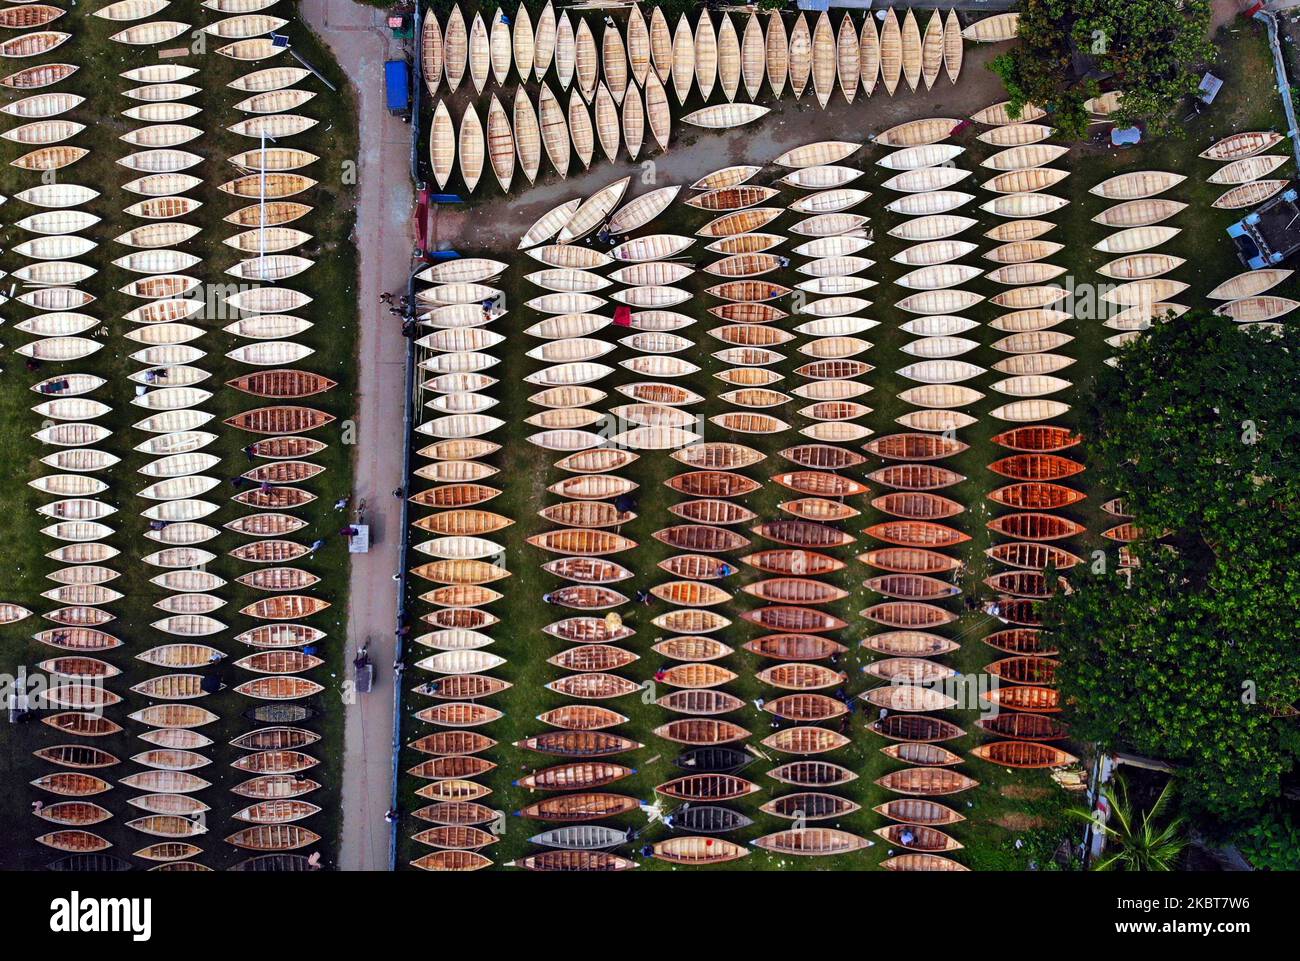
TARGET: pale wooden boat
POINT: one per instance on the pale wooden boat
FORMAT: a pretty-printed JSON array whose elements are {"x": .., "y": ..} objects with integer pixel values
[
  {"x": 953, "y": 46},
  {"x": 245, "y": 26},
  {"x": 683, "y": 59},
  {"x": 471, "y": 148},
  {"x": 41, "y": 106},
  {"x": 33, "y": 44},
  {"x": 753, "y": 56},
  {"x": 633, "y": 121},
  {"x": 1257, "y": 309},
  {"x": 932, "y": 49},
  {"x": 1016, "y": 134},
  {"x": 43, "y": 132},
  {"x": 638, "y": 46},
  {"x": 607, "y": 122},
  {"x": 1024, "y": 205},
  {"x": 824, "y": 56},
  {"x": 431, "y": 42},
  {"x": 455, "y": 48},
  {"x": 640, "y": 211},
  {"x": 1249, "y": 194},
  {"x": 1251, "y": 283},
  {"x": 442, "y": 144},
  {"x": 586, "y": 60},
  {"x": 544, "y": 41},
  {"x": 1247, "y": 169},
  {"x": 500, "y": 47},
  {"x": 728, "y": 54},
  {"x": 658, "y": 113},
  {"x": 146, "y": 34},
  {"x": 613, "y": 62},
  {"x": 527, "y": 137},
  {"x": 1137, "y": 185},
  {"x": 581, "y": 130},
  {"x": 706, "y": 54},
  {"x": 891, "y": 52},
  {"x": 995, "y": 29},
  {"x": 777, "y": 53},
  {"x": 801, "y": 51},
  {"x": 848, "y": 57},
  {"x": 553, "y": 130},
  {"x": 999, "y": 114},
  {"x": 565, "y": 51},
  {"x": 479, "y": 53},
  {"x": 1240, "y": 145},
  {"x": 500, "y": 144},
  {"x": 821, "y": 154},
  {"x": 1134, "y": 239},
  {"x": 593, "y": 211}
]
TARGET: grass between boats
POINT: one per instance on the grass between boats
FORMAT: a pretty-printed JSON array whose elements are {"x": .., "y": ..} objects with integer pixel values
[
  {"x": 1007, "y": 806},
  {"x": 332, "y": 284}
]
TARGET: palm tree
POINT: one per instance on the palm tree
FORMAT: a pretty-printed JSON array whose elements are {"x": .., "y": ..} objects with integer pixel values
[{"x": 1138, "y": 843}]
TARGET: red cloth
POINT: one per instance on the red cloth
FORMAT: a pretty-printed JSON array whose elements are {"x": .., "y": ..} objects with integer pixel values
[{"x": 623, "y": 315}]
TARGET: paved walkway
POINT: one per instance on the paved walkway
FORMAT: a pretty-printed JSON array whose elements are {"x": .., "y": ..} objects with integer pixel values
[{"x": 384, "y": 239}]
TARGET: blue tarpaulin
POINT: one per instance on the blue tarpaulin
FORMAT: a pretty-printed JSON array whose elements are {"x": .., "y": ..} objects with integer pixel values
[
  {"x": 1123, "y": 136},
  {"x": 397, "y": 86}
]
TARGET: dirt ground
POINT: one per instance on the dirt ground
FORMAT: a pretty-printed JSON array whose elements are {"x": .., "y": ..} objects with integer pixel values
[{"x": 693, "y": 152}]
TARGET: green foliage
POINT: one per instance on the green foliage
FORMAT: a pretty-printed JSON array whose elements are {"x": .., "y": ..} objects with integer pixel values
[
  {"x": 1152, "y": 47},
  {"x": 1137, "y": 843},
  {"x": 771, "y": 4},
  {"x": 1271, "y": 843},
  {"x": 1194, "y": 660}
]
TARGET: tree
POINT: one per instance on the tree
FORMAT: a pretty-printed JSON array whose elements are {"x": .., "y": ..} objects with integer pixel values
[
  {"x": 1138, "y": 844},
  {"x": 1193, "y": 658},
  {"x": 1153, "y": 48}
]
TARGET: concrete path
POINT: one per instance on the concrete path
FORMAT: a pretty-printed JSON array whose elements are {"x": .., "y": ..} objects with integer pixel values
[{"x": 384, "y": 240}]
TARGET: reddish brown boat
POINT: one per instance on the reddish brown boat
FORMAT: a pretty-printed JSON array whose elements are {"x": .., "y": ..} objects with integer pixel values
[
  {"x": 822, "y": 457},
  {"x": 587, "y": 630},
  {"x": 817, "y": 483},
  {"x": 442, "y": 768},
  {"x": 691, "y": 648},
  {"x": 465, "y": 618},
  {"x": 595, "y": 686},
  {"x": 917, "y": 534},
  {"x": 82, "y": 724},
  {"x": 455, "y": 838},
  {"x": 447, "y": 743},
  {"x": 707, "y": 787},
  {"x": 712, "y": 483},
  {"x": 908, "y": 614},
  {"x": 1026, "y": 584},
  {"x": 280, "y": 420},
  {"x": 927, "y": 781},
  {"x": 918, "y": 838},
  {"x": 1025, "y": 727},
  {"x": 1036, "y": 496},
  {"x": 793, "y": 620},
  {"x": 701, "y": 731},
  {"x": 918, "y": 811},
  {"x": 586, "y": 597},
  {"x": 699, "y": 567},
  {"x": 455, "y": 812},
  {"x": 1124, "y": 533},
  {"x": 915, "y": 477},
  {"x": 1040, "y": 700},
  {"x": 717, "y": 455},
  {"x": 76, "y": 756},
  {"x": 1035, "y": 526},
  {"x": 1024, "y": 669},
  {"x": 806, "y": 740},
  {"x": 581, "y": 717},
  {"x": 281, "y": 447},
  {"x": 277, "y": 498},
  {"x": 73, "y": 813},
  {"x": 1034, "y": 557},
  {"x": 1021, "y": 610},
  {"x": 696, "y": 675},
  {"x": 795, "y": 590},
  {"x": 834, "y": 369},
  {"x": 283, "y": 472},
  {"x": 909, "y": 644},
  {"x": 712, "y": 511},
  {"x": 916, "y": 727},
  {"x": 793, "y": 562},
  {"x": 915, "y": 587},
  {"x": 77, "y": 842},
  {"x": 1021, "y": 640},
  {"x": 573, "y": 861},
  {"x": 587, "y": 806},
  {"x": 463, "y": 687},
  {"x": 915, "y": 447},
  {"x": 588, "y": 570},
  {"x": 1036, "y": 467},
  {"x": 698, "y": 702},
  {"x": 909, "y": 560},
  {"x": 1038, "y": 439},
  {"x": 593, "y": 657},
  {"x": 701, "y": 538},
  {"x": 582, "y": 542},
  {"x": 461, "y": 595},
  {"x": 282, "y": 383},
  {"x": 795, "y": 647},
  {"x": 812, "y": 773},
  {"x": 451, "y": 861},
  {"x": 805, "y": 708},
  {"x": 575, "y": 776},
  {"x": 801, "y": 677},
  {"x": 578, "y": 743},
  {"x": 921, "y": 753},
  {"x": 1023, "y": 754},
  {"x": 455, "y": 495},
  {"x": 917, "y": 505},
  {"x": 459, "y": 714},
  {"x": 749, "y": 313},
  {"x": 801, "y": 533},
  {"x": 466, "y": 522}
]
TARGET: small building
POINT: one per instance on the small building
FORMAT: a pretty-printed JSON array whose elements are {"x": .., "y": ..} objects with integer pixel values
[{"x": 1271, "y": 234}]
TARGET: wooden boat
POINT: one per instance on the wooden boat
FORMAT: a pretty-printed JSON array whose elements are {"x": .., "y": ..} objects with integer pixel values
[
  {"x": 800, "y": 56},
  {"x": 471, "y": 147},
  {"x": 812, "y": 773},
  {"x": 926, "y": 782},
  {"x": 1241, "y": 145},
  {"x": 811, "y": 842},
  {"x": 1249, "y": 194},
  {"x": 1023, "y": 754}
]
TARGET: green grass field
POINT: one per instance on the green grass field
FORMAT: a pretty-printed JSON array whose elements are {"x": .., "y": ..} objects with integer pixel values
[
  {"x": 1007, "y": 806},
  {"x": 331, "y": 283}
]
